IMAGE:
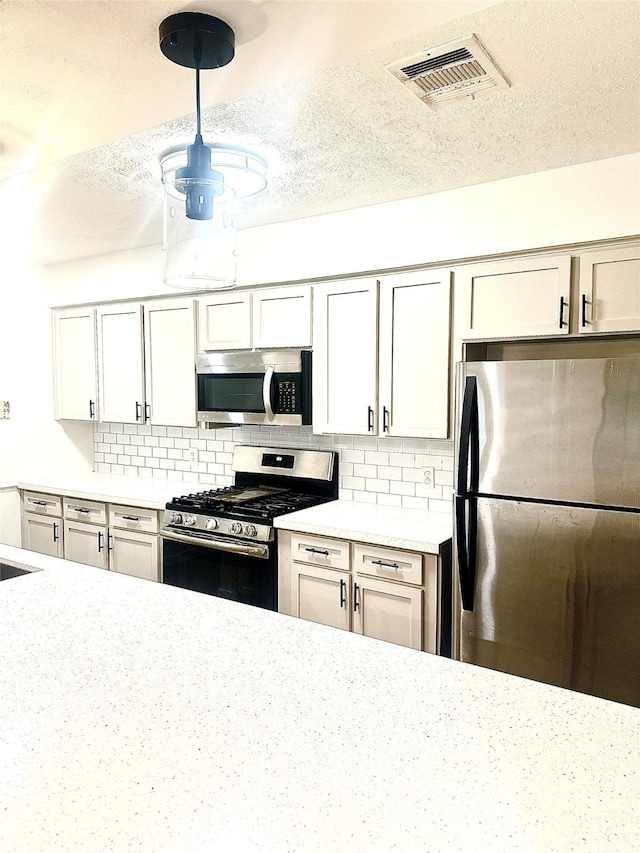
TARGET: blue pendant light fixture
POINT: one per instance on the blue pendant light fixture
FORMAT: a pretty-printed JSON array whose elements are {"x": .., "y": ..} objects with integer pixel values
[{"x": 202, "y": 181}]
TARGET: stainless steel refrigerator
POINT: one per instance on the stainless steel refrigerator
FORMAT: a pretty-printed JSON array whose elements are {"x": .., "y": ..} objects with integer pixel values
[{"x": 547, "y": 521}]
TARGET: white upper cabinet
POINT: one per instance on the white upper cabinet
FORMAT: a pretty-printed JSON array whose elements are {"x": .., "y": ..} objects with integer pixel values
[
  {"x": 263, "y": 319},
  {"x": 345, "y": 355},
  {"x": 121, "y": 363},
  {"x": 414, "y": 354},
  {"x": 381, "y": 366},
  {"x": 170, "y": 347},
  {"x": 74, "y": 358},
  {"x": 224, "y": 321},
  {"x": 282, "y": 317},
  {"x": 610, "y": 290},
  {"x": 521, "y": 298}
]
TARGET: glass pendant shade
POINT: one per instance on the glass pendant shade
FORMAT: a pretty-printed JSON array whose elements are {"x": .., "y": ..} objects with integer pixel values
[{"x": 202, "y": 183}]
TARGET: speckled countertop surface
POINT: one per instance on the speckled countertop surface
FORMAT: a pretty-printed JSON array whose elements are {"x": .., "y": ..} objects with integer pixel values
[
  {"x": 396, "y": 527},
  {"x": 111, "y": 488},
  {"x": 148, "y": 718}
]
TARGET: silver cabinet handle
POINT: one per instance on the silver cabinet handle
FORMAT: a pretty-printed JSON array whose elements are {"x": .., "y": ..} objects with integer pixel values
[{"x": 266, "y": 392}]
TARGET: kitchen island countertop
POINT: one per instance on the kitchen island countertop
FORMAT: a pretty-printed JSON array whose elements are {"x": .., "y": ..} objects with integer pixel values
[
  {"x": 397, "y": 527},
  {"x": 138, "y": 716}
]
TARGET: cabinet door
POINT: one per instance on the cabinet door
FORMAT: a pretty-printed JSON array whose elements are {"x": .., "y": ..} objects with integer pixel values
[
  {"x": 322, "y": 595},
  {"x": 85, "y": 543},
  {"x": 345, "y": 356},
  {"x": 170, "y": 347},
  {"x": 224, "y": 322},
  {"x": 42, "y": 534},
  {"x": 414, "y": 354},
  {"x": 282, "y": 317},
  {"x": 388, "y": 611},
  {"x": 510, "y": 299},
  {"x": 610, "y": 290},
  {"x": 74, "y": 359},
  {"x": 134, "y": 554},
  {"x": 120, "y": 363}
]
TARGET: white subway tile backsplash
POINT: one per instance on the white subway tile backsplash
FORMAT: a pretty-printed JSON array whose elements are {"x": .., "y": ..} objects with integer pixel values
[{"x": 388, "y": 471}]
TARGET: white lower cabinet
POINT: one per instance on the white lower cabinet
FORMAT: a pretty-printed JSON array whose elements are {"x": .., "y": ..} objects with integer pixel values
[
  {"x": 42, "y": 534},
  {"x": 134, "y": 554},
  {"x": 86, "y": 543},
  {"x": 108, "y": 536},
  {"x": 387, "y": 611},
  {"x": 323, "y": 595},
  {"x": 383, "y": 593}
]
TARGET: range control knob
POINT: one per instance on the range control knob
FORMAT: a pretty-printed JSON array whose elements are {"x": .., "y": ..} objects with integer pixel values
[
  {"x": 236, "y": 527},
  {"x": 189, "y": 520},
  {"x": 175, "y": 518},
  {"x": 250, "y": 530},
  {"x": 212, "y": 524}
]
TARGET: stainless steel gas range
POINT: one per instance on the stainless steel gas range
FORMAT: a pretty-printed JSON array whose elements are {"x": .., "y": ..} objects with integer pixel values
[{"x": 222, "y": 542}]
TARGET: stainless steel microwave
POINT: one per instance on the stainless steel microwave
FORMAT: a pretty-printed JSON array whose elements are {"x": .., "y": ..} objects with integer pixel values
[{"x": 254, "y": 387}]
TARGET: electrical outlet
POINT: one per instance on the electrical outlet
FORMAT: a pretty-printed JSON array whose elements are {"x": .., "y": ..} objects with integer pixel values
[
  {"x": 4, "y": 409},
  {"x": 193, "y": 454},
  {"x": 428, "y": 476}
]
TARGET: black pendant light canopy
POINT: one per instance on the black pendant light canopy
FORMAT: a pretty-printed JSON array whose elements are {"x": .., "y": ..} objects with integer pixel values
[{"x": 195, "y": 40}]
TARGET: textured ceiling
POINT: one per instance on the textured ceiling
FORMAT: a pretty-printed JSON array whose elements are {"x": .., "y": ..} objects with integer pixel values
[{"x": 348, "y": 134}]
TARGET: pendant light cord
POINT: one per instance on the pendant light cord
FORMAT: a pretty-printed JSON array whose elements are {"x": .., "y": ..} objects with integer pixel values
[{"x": 198, "y": 130}]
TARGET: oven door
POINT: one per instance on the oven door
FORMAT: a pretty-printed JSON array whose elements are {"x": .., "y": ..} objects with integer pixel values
[{"x": 225, "y": 567}]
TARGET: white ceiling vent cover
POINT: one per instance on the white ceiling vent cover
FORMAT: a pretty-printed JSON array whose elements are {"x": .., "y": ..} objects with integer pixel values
[{"x": 455, "y": 69}]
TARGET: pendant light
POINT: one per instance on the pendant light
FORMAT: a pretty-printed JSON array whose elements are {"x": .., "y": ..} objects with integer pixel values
[{"x": 203, "y": 181}]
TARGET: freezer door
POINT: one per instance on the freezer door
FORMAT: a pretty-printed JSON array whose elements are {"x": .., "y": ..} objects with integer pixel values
[
  {"x": 559, "y": 430},
  {"x": 557, "y": 597}
]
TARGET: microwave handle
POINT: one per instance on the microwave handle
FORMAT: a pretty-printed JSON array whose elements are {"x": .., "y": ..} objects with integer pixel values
[{"x": 266, "y": 392}]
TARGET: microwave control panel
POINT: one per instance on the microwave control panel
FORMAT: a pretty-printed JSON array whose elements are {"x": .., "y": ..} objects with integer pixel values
[{"x": 287, "y": 397}]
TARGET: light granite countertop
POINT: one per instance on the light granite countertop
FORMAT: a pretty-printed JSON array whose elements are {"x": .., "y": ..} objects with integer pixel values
[
  {"x": 414, "y": 529},
  {"x": 149, "y": 718},
  {"x": 112, "y": 488}
]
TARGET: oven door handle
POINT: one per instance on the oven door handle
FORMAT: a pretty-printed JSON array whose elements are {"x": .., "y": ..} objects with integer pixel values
[
  {"x": 266, "y": 392},
  {"x": 247, "y": 548}
]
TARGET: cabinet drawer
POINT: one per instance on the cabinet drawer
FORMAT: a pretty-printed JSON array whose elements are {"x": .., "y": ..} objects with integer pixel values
[
  {"x": 331, "y": 553},
  {"x": 79, "y": 509},
  {"x": 43, "y": 504},
  {"x": 133, "y": 518},
  {"x": 405, "y": 566}
]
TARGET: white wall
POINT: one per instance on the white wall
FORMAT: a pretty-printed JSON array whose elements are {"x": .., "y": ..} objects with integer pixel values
[
  {"x": 590, "y": 201},
  {"x": 32, "y": 443}
]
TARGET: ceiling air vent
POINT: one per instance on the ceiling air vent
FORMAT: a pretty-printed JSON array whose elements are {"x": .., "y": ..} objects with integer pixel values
[{"x": 455, "y": 69}]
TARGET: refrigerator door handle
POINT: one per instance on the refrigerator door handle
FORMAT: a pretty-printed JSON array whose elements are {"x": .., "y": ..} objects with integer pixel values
[
  {"x": 469, "y": 440},
  {"x": 465, "y": 500}
]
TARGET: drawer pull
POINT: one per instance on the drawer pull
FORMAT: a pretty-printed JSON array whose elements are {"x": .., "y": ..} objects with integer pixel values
[
  {"x": 317, "y": 551},
  {"x": 79, "y": 509},
  {"x": 39, "y": 503},
  {"x": 385, "y": 564},
  {"x": 131, "y": 518}
]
